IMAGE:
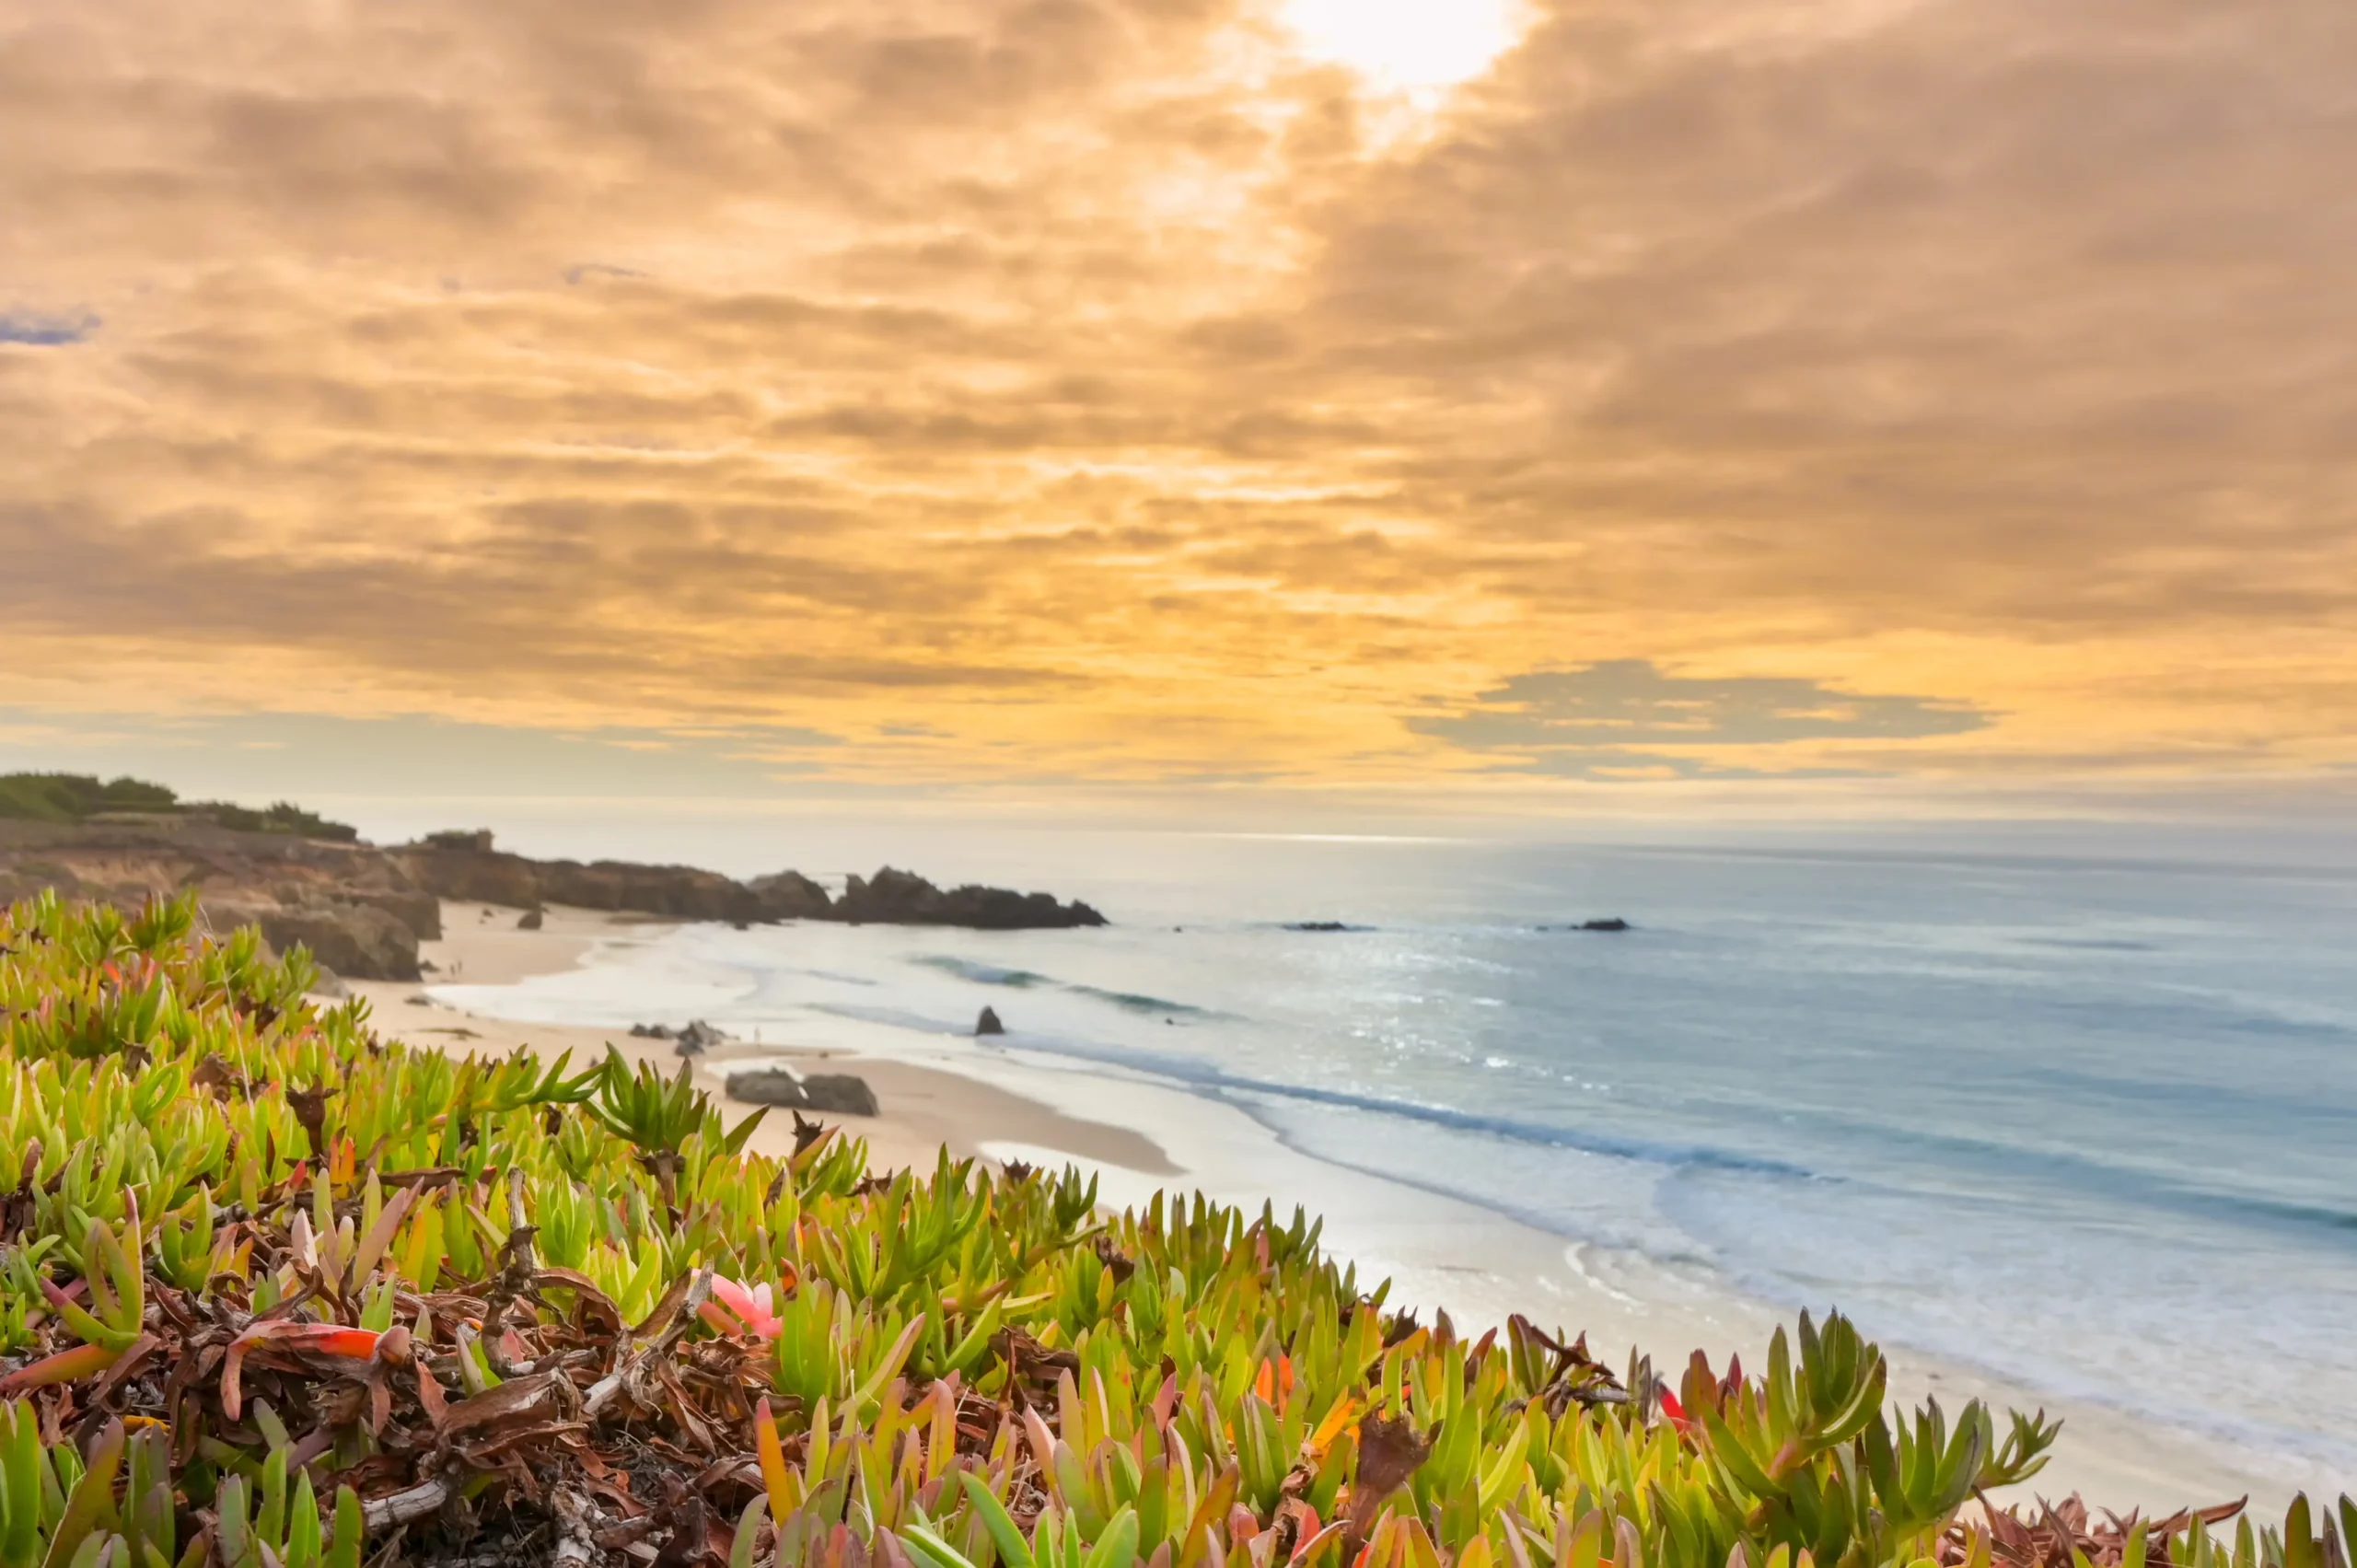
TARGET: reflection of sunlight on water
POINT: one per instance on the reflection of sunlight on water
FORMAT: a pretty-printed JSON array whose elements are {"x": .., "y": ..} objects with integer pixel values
[{"x": 1420, "y": 48}]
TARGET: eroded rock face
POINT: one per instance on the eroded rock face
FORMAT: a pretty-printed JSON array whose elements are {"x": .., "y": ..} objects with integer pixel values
[
  {"x": 472, "y": 876},
  {"x": 789, "y": 895},
  {"x": 358, "y": 912},
  {"x": 413, "y": 907},
  {"x": 352, "y": 939},
  {"x": 463, "y": 867}
]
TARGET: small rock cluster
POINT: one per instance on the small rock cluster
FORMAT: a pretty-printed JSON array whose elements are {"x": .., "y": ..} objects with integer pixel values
[{"x": 694, "y": 1040}]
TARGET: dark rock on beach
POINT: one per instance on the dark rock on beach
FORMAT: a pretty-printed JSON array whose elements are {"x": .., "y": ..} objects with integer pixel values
[
  {"x": 530, "y": 920},
  {"x": 842, "y": 1094},
  {"x": 988, "y": 1023},
  {"x": 1321, "y": 925},
  {"x": 697, "y": 1038}
]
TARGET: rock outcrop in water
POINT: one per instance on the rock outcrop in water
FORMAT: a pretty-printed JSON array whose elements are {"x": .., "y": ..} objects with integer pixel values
[
  {"x": 903, "y": 897},
  {"x": 465, "y": 866}
]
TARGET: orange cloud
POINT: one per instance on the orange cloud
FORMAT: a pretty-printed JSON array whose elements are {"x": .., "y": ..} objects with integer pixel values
[{"x": 1101, "y": 391}]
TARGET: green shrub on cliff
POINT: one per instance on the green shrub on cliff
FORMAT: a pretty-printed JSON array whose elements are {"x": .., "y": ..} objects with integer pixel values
[
  {"x": 70, "y": 798},
  {"x": 278, "y": 1292},
  {"x": 76, "y": 798}
]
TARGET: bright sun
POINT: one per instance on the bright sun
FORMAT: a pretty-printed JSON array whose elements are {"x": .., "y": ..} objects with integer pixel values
[{"x": 1414, "y": 46}]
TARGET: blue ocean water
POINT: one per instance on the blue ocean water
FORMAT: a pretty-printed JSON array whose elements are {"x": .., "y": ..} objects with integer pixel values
[{"x": 2089, "y": 1124}]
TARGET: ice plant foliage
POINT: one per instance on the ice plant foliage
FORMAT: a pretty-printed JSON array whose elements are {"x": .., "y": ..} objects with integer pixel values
[{"x": 276, "y": 1292}]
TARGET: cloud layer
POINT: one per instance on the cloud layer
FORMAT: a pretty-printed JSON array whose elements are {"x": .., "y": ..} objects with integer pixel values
[
  {"x": 1101, "y": 390},
  {"x": 1592, "y": 722}
]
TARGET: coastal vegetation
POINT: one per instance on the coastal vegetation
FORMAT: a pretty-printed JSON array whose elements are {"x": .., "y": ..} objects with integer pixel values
[
  {"x": 279, "y": 1292},
  {"x": 78, "y": 797}
]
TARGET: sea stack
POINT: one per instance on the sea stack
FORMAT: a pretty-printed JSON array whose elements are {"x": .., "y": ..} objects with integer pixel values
[{"x": 988, "y": 1023}]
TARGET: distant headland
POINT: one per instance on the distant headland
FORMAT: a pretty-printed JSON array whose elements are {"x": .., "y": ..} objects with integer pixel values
[{"x": 363, "y": 909}]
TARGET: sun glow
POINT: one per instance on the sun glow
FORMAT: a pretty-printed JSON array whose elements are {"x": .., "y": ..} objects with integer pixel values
[{"x": 1414, "y": 46}]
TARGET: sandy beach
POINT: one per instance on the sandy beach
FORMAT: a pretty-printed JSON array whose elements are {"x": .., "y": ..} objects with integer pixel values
[
  {"x": 923, "y": 1109},
  {"x": 1139, "y": 1134}
]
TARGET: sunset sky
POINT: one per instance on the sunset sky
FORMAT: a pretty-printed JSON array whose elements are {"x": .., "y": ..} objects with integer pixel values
[{"x": 1583, "y": 401}]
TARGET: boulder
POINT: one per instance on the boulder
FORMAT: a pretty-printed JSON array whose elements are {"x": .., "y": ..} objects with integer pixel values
[
  {"x": 842, "y": 1094},
  {"x": 1613, "y": 923},
  {"x": 650, "y": 1031},
  {"x": 697, "y": 1038},
  {"x": 530, "y": 920},
  {"x": 845, "y": 1094},
  {"x": 988, "y": 1023}
]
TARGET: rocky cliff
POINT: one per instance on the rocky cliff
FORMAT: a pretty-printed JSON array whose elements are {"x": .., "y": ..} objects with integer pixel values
[
  {"x": 465, "y": 866},
  {"x": 363, "y": 910},
  {"x": 352, "y": 905}
]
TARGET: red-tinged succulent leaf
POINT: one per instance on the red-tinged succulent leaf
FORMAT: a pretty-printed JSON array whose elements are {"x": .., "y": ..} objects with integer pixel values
[
  {"x": 66, "y": 1366},
  {"x": 319, "y": 1339}
]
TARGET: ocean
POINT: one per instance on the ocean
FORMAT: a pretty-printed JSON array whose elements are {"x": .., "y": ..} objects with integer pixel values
[{"x": 2089, "y": 1124}]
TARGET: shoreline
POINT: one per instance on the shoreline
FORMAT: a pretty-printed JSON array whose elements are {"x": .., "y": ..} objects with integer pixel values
[
  {"x": 1141, "y": 1134},
  {"x": 928, "y": 1108}
]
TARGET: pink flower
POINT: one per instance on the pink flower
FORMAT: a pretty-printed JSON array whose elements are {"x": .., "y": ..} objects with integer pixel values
[{"x": 751, "y": 1307}]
